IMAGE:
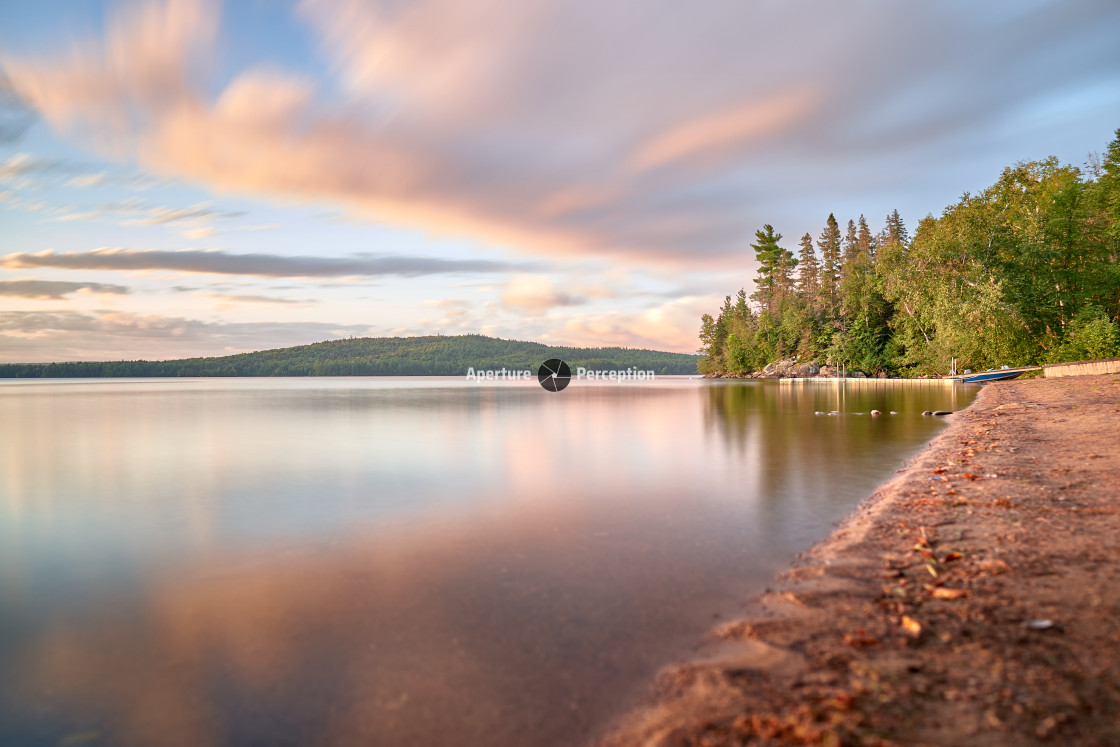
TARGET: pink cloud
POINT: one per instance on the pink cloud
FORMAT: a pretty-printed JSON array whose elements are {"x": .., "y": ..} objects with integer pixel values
[
  {"x": 639, "y": 131},
  {"x": 672, "y": 326},
  {"x": 535, "y": 295}
]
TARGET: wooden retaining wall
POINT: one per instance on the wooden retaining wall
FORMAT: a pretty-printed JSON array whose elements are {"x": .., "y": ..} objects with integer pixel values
[{"x": 1081, "y": 368}]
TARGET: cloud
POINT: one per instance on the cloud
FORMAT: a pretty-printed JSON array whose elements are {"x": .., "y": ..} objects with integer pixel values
[
  {"x": 80, "y": 175},
  {"x": 54, "y": 289},
  {"x": 196, "y": 220},
  {"x": 86, "y": 181},
  {"x": 159, "y": 215},
  {"x": 22, "y": 164},
  {"x": 258, "y": 265},
  {"x": 717, "y": 135},
  {"x": 82, "y": 216},
  {"x": 673, "y": 326},
  {"x": 534, "y": 295},
  {"x": 227, "y": 299},
  {"x": 104, "y": 335},
  {"x": 632, "y": 129}
]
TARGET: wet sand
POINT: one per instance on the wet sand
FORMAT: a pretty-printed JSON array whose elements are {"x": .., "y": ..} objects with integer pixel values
[{"x": 973, "y": 599}]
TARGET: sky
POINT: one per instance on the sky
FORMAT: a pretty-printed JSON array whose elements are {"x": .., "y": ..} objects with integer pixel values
[{"x": 186, "y": 177}]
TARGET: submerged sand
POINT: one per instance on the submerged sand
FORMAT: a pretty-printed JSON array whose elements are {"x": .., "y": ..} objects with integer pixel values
[{"x": 974, "y": 599}]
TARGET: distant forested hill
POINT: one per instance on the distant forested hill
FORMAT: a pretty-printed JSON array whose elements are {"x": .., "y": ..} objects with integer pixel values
[{"x": 373, "y": 356}]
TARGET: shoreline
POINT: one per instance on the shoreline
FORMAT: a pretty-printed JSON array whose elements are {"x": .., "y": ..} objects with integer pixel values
[{"x": 973, "y": 598}]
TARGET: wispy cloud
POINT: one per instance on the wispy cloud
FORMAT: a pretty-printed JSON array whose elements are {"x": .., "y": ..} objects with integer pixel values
[
  {"x": 55, "y": 289},
  {"x": 160, "y": 215},
  {"x": 70, "y": 174},
  {"x": 87, "y": 180},
  {"x": 240, "y": 298},
  {"x": 22, "y": 164},
  {"x": 258, "y": 265}
]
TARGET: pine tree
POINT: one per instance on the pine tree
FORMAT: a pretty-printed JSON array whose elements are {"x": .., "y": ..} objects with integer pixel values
[
  {"x": 783, "y": 277},
  {"x": 770, "y": 257},
  {"x": 742, "y": 309},
  {"x": 851, "y": 243},
  {"x": 896, "y": 230},
  {"x": 849, "y": 267},
  {"x": 809, "y": 276},
  {"x": 829, "y": 243},
  {"x": 866, "y": 242}
]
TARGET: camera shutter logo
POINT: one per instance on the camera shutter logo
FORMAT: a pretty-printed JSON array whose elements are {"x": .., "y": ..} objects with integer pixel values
[{"x": 554, "y": 375}]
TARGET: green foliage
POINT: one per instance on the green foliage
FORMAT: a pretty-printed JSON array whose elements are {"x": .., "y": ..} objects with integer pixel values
[
  {"x": 774, "y": 267},
  {"x": 1026, "y": 271},
  {"x": 1091, "y": 335},
  {"x": 376, "y": 356}
]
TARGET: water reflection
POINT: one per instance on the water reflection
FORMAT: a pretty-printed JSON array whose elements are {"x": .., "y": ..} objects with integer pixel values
[{"x": 397, "y": 561}]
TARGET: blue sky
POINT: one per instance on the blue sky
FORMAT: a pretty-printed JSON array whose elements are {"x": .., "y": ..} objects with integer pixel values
[{"x": 197, "y": 178}]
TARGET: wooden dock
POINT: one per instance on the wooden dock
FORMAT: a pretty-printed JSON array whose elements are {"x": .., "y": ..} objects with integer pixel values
[{"x": 1081, "y": 368}]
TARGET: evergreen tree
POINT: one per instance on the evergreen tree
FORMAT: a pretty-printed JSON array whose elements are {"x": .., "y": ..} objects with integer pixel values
[
  {"x": 808, "y": 277},
  {"x": 896, "y": 230},
  {"x": 770, "y": 259},
  {"x": 829, "y": 244},
  {"x": 851, "y": 243},
  {"x": 783, "y": 277},
  {"x": 851, "y": 265},
  {"x": 866, "y": 242}
]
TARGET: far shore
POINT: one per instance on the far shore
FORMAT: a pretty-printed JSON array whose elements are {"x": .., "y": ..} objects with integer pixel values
[{"x": 973, "y": 599}]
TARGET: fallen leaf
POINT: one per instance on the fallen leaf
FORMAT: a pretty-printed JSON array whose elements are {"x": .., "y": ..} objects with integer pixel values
[
  {"x": 859, "y": 639},
  {"x": 943, "y": 593},
  {"x": 911, "y": 626},
  {"x": 994, "y": 566}
]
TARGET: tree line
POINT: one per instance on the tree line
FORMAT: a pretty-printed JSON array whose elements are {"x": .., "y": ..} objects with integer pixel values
[
  {"x": 1023, "y": 273},
  {"x": 372, "y": 356}
]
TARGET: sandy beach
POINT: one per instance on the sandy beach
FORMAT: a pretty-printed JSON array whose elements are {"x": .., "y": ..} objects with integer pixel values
[{"x": 973, "y": 599}]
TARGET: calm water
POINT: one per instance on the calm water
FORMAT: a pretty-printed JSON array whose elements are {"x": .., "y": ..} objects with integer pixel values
[{"x": 399, "y": 561}]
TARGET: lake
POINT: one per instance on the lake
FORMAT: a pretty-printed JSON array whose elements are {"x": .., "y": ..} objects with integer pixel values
[{"x": 401, "y": 561}]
